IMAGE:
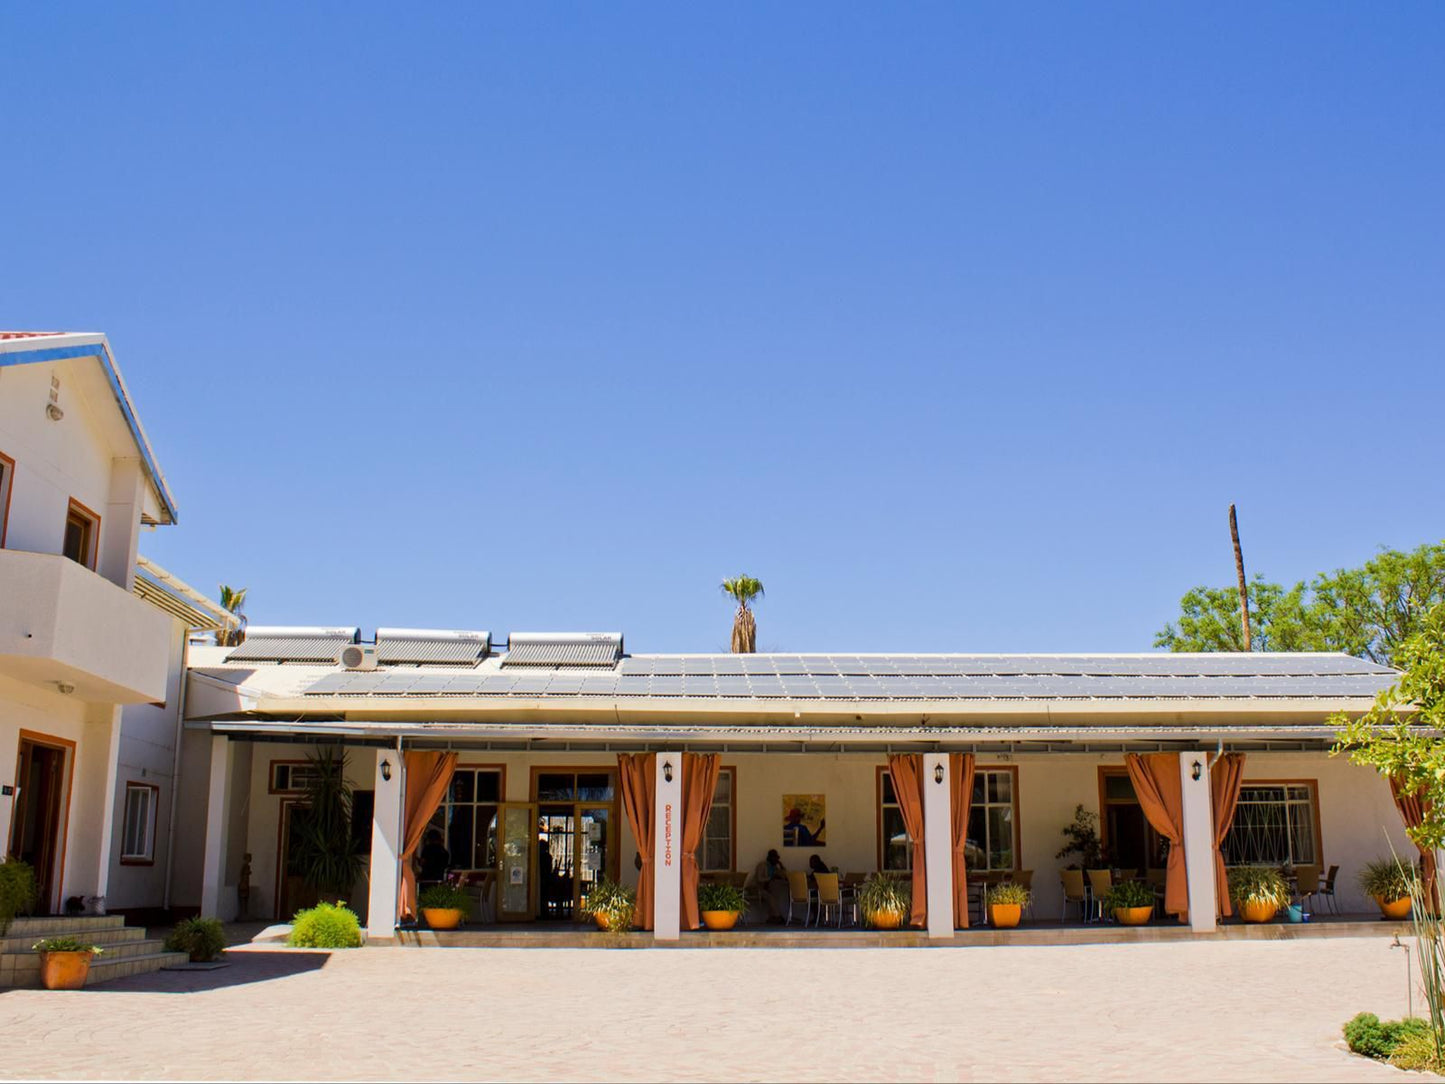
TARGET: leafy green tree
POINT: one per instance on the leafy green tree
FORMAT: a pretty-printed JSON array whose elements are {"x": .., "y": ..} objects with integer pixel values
[
  {"x": 1209, "y": 620},
  {"x": 1367, "y": 611},
  {"x": 744, "y": 588},
  {"x": 1398, "y": 736}
]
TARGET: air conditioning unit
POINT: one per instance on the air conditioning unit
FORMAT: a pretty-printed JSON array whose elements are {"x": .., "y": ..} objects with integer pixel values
[{"x": 358, "y": 657}]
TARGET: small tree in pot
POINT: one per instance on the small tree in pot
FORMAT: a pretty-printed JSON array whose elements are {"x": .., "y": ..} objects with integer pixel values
[{"x": 721, "y": 905}]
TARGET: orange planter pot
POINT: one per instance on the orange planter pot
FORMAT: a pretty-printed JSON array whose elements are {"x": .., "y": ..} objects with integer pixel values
[
  {"x": 1005, "y": 915},
  {"x": 1394, "y": 909},
  {"x": 719, "y": 920},
  {"x": 1133, "y": 916},
  {"x": 603, "y": 922},
  {"x": 885, "y": 920},
  {"x": 1255, "y": 911},
  {"x": 442, "y": 918},
  {"x": 64, "y": 970}
]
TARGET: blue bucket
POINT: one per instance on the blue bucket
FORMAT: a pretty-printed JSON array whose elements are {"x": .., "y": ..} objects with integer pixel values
[{"x": 1295, "y": 912}]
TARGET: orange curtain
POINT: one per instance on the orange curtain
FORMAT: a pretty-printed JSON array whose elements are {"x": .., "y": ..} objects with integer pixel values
[
  {"x": 1161, "y": 795},
  {"x": 699, "y": 780},
  {"x": 639, "y": 788},
  {"x": 1413, "y": 808},
  {"x": 906, "y": 769},
  {"x": 1225, "y": 778},
  {"x": 960, "y": 770},
  {"x": 428, "y": 775}
]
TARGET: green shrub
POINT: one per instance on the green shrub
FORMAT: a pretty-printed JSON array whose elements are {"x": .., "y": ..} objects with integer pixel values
[
  {"x": 1007, "y": 892},
  {"x": 1128, "y": 894},
  {"x": 1258, "y": 884},
  {"x": 1367, "y": 1034},
  {"x": 446, "y": 897},
  {"x": 65, "y": 944},
  {"x": 1416, "y": 1050},
  {"x": 327, "y": 925},
  {"x": 202, "y": 939},
  {"x": 1388, "y": 879},
  {"x": 721, "y": 897},
  {"x": 18, "y": 890}
]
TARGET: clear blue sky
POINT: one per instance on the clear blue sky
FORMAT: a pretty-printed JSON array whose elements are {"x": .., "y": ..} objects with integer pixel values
[{"x": 960, "y": 325}]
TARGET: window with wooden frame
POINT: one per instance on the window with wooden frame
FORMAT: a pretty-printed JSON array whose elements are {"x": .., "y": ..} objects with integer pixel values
[
  {"x": 993, "y": 823},
  {"x": 1276, "y": 822},
  {"x": 291, "y": 777},
  {"x": 7, "y": 482},
  {"x": 719, "y": 848},
  {"x": 138, "y": 830},
  {"x": 82, "y": 533}
]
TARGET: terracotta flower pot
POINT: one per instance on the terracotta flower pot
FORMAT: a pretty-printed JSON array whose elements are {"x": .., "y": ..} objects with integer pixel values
[
  {"x": 719, "y": 920},
  {"x": 885, "y": 920},
  {"x": 442, "y": 918},
  {"x": 1394, "y": 909},
  {"x": 1133, "y": 916},
  {"x": 1258, "y": 910},
  {"x": 1005, "y": 915},
  {"x": 64, "y": 970}
]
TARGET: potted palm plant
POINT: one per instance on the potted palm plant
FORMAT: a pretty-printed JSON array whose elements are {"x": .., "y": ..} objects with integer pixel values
[
  {"x": 610, "y": 905},
  {"x": 1006, "y": 903},
  {"x": 444, "y": 906},
  {"x": 1388, "y": 882},
  {"x": 721, "y": 905},
  {"x": 64, "y": 962},
  {"x": 885, "y": 901},
  {"x": 1258, "y": 892},
  {"x": 1130, "y": 902}
]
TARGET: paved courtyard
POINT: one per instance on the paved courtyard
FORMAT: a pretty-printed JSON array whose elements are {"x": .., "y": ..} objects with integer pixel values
[{"x": 1211, "y": 1011}]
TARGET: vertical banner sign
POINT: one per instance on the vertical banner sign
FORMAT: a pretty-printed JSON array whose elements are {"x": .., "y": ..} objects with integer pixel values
[{"x": 667, "y": 857}]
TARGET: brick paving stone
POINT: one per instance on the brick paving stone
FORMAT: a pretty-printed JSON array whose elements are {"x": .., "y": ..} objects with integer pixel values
[{"x": 1208, "y": 1011}]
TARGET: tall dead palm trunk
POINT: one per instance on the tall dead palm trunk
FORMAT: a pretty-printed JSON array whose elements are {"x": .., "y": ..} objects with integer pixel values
[{"x": 745, "y": 627}]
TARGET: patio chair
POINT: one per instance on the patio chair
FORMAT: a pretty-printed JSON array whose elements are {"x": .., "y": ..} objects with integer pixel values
[
  {"x": 1327, "y": 890},
  {"x": 830, "y": 897},
  {"x": 1074, "y": 892},
  {"x": 799, "y": 893},
  {"x": 1307, "y": 885},
  {"x": 1100, "y": 881}
]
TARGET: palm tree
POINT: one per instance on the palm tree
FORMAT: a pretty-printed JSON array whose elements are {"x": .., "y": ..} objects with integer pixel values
[
  {"x": 745, "y": 630},
  {"x": 232, "y": 601}
]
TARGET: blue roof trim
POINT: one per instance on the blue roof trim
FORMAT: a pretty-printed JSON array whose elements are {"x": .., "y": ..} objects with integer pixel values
[{"x": 112, "y": 375}]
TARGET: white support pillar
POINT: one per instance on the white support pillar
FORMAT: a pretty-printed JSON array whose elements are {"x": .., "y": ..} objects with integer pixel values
[
  {"x": 218, "y": 806},
  {"x": 667, "y": 848},
  {"x": 385, "y": 845},
  {"x": 1198, "y": 840},
  {"x": 938, "y": 843},
  {"x": 107, "y": 819}
]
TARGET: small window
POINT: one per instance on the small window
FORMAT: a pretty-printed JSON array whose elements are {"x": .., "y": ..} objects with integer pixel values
[
  {"x": 138, "y": 835},
  {"x": 468, "y": 818},
  {"x": 992, "y": 821},
  {"x": 1274, "y": 824},
  {"x": 7, "y": 479},
  {"x": 82, "y": 531},
  {"x": 291, "y": 776},
  {"x": 718, "y": 842}
]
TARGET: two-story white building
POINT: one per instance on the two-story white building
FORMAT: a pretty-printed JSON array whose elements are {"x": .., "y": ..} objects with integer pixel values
[{"x": 91, "y": 655}]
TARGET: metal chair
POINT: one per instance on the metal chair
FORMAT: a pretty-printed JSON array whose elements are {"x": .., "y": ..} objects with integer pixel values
[
  {"x": 1307, "y": 884},
  {"x": 1100, "y": 881},
  {"x": 1074, "y": 892},
  {"x": 830, "y": 897},
  {"x": 1327, "y": 890},
  {"x": 799, "y": 892}
]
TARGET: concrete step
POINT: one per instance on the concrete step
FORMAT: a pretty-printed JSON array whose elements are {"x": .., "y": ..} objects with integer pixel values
[
  {"x": 60, "y": 926},
  {"x": 104, "y": 937},
  {"x": 132, "y": 958}
]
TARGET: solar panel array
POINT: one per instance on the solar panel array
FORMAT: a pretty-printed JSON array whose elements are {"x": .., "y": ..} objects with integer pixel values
[
  {"x": 262, "y": 647},
  {"x": 420, "y": 647},
  {"x": 899, "y": 678}
]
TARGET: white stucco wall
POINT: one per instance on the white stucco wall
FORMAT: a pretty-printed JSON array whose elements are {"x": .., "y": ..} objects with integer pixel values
[{"x": 147, "y": 755}]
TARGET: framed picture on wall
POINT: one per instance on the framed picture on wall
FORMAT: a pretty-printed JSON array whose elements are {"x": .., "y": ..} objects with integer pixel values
[{"x": 805, "y": 820}]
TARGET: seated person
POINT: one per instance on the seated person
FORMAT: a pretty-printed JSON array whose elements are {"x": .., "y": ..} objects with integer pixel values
[
  {"x": 433, "y": 859},
  {"x": 817, "y": 865}
]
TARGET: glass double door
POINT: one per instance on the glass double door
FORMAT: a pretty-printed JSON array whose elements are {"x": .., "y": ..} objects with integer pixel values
[{"x": 551, "y": 855}]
